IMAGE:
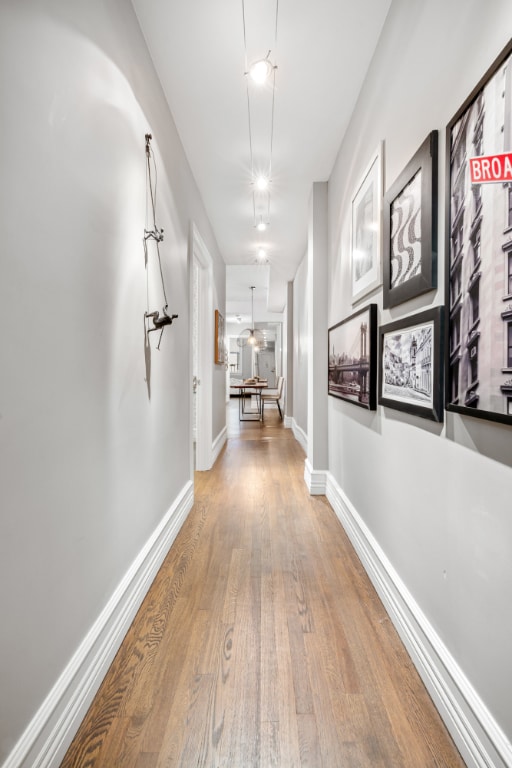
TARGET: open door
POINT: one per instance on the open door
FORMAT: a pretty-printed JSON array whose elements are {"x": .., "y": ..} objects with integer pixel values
[{"x": 201, "y": 302}]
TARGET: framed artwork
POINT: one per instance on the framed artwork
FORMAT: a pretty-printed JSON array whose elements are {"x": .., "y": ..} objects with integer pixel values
[
  {"x": 410, "y": 364},
  {"x": 479, "y": 249},
  {"x": 410, "y": 228},
  {"x": 220, "y": 346},
  {"x": 352, "y": 356},
  {"x": 366, "y": 229}
]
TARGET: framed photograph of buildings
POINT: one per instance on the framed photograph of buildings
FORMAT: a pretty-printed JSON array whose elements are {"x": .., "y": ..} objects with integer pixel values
[
  {"x": 479, "y": 249},
  {"x": 220, "y": 346},
  {"x": 410, "y": 364},
  {"x": 352, "y": 372},
  {"x": 410, "y": 228},
  {"x": 366, "y": 229}
]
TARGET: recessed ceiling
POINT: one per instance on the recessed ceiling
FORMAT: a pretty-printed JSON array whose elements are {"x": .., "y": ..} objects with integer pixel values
[{"x": 322, "y": 54}]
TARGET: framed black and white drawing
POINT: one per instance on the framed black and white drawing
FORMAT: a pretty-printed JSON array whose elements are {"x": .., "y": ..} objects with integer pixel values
[
  {"x": 410, "y": 364},
  {"x": 366, "y": 229},
  {"x": 479, "y": 249},
  {"x": 410, "y": 228},
  {"x": 352, "y": 372}
]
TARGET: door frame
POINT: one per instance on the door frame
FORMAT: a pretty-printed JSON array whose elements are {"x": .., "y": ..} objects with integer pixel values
[{"x": 199, "y": 252}]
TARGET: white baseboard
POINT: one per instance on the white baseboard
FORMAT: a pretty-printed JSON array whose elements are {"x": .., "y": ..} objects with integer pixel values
[
  {"x": 299, "y": 435},
  {"x": 316, "y": 480},
  {"x": 476, "y": 733},
  {"x": 48, "y": 736},
  {"x": 218, "y": 444}
]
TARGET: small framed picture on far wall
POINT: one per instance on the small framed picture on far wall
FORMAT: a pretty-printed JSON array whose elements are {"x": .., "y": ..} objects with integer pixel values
[{"x": 220, "y": 344}]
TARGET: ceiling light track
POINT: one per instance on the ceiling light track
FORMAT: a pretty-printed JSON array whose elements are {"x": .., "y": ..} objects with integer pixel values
[{"x": 260, "y": 72}]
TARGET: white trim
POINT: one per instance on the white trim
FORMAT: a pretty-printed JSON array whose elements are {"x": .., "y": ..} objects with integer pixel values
[
  {"x": 218, "y": 443},
  {"x": 299, "y": 435},
  {"x": 479, "y": 738},
  {"x": 316, "y": 480},
  {"x": 288, "y": 422},
  {"x": 48, "y": 736}
]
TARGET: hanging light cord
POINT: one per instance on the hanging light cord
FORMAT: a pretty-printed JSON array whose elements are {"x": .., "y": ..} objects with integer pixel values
[{"x": 273, "y": 97}]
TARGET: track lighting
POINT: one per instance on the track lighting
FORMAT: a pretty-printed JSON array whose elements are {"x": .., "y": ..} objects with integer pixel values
[
  {"x": 262, "y": 183},
  {"x": 261, "y": 70}
]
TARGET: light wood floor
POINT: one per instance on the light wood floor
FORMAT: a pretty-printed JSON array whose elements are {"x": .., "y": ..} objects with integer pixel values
[{"x": 261, "y": 642}]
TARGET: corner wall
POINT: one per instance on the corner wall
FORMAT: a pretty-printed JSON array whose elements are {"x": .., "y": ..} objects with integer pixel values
[
  {"x": 93, "y": 475},
  {"x": 299, "y": 353},
  {"x": 433, "y": 500}
]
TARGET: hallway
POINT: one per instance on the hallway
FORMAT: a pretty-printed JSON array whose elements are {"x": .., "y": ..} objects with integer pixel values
[{"x": 261, "y": 642}]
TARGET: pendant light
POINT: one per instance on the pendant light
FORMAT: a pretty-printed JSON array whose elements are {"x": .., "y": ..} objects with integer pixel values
[{"x": 252, "y": 336}]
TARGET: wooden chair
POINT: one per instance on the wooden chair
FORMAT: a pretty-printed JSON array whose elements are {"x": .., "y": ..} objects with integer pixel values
[{"x": 273, "y": 396}]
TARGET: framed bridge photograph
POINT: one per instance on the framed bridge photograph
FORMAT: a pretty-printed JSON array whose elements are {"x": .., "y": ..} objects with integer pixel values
[
  {"x": 410, "y": 364},
  {"x": 352, "y": 358}
]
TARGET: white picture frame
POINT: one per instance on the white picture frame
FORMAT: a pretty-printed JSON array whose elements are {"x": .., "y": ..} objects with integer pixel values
[{"x": 366, "y": 228}]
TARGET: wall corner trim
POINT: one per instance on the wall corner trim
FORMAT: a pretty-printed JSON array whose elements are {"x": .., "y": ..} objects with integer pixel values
[
  {"x": 218, "y": 444},
  {"x": 48, "y": 736},
  {"x": 479, "y": 738},
  {"x": 299, "y": 435},
  {"x": 316, "y": 480}
]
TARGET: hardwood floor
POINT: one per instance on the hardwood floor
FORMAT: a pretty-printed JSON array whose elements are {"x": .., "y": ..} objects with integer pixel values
[{"x": 261, "y": 642}]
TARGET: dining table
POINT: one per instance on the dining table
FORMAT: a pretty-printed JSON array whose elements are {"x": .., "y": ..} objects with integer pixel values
[{"x": 254, "y": 388}]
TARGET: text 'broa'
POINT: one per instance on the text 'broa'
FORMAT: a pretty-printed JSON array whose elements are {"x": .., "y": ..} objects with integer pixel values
[{"x": 491, "y": 168}]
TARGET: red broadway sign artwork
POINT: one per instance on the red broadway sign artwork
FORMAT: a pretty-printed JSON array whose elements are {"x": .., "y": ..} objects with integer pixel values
[{"x": 491, "y": 168}]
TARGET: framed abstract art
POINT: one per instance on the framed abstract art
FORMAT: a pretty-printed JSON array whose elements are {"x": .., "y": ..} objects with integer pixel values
[{"x": 410, "y": 228}]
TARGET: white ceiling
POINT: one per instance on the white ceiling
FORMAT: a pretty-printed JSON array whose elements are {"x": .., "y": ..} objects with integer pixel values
[{"x": 322, "y": 54}]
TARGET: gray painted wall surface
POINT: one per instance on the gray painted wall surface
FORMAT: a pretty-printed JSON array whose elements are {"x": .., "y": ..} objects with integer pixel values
[
  {"x": 437, "y": 498},
  {"x": 89, "y": 464},
  {"x": 300, "y": 347}
]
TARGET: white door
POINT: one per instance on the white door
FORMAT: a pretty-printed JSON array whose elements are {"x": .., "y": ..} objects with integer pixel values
[
  {"x": 267, "y": 367},
  {"x": 201, "y": 281}
]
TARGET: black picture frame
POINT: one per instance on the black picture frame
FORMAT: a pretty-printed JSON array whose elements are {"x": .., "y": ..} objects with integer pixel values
[
  {"x": 479, "y": 253},
  {"x": 352, "y": 358},
  {"x": 410, "y": 227},
  {"x": 411, "y": 364}
]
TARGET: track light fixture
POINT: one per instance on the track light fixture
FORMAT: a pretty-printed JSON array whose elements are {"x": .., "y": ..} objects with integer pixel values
[{"x": 260, "y": 72}]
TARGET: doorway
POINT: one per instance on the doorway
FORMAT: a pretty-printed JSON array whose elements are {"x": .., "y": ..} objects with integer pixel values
[{"x": 201, "y": 302}]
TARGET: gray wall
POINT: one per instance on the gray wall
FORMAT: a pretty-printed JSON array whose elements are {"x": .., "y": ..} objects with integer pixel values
[
  {"x": 89, "y": 464},
  {"x": 300, "y": 348},
  {"x": 436, "y": 498}
]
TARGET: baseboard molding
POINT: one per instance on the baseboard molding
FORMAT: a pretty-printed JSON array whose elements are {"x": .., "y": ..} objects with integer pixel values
[
  {"x": 299, "y": 435},
  {"x": 218, "y": 444},
  {"x": 316, "y": 480},
  {"x": 48, "y": 736},
  {"x": 476, "y": 733}
]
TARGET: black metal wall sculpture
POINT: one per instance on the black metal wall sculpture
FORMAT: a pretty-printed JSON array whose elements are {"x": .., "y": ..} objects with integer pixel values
[{"x": 156, "y": 320}]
